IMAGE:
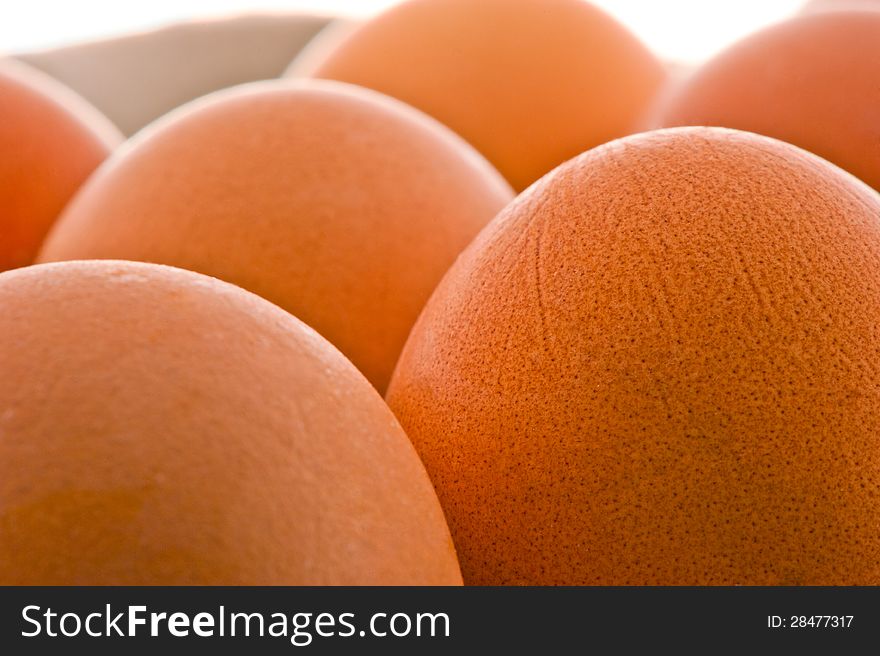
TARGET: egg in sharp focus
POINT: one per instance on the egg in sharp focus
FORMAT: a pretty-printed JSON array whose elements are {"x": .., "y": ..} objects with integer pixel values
[
  {"x": 50, "y": 142},
  {"x": 660, "y": 365},
  {"x": 813, "y": 81},
  {"x": 161, "y": 427},
  {"x": 341, "y": 205},
  {"x": 530, "y": 83}
]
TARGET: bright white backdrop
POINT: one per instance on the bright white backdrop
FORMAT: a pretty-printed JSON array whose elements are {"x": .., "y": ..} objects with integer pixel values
[{"x": 681, "y": 30}]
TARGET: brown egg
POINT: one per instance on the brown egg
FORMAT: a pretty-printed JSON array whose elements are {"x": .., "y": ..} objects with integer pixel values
[
  {"x": 50, "y": 142},
  {"x": 136, "y": 78},
  {"x": 160, "y": 427},
  {"x": 660, "y": 365},
  {"x": 813, "y": 81},
  {"x": 340, "y": 205},
  {"x": 530, "y": 83}
]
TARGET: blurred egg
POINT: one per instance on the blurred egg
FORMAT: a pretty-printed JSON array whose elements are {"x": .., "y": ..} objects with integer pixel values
[
  {"x": 50, "y": 142},
  {"x": 341, "y": 205},
  {"x": 530, "y": 83},
  {"x": 660, "y": 365},
  {"x": 164, "y": 428},
  {"x": 813, "y": 81},
  {"x": 137, "y": 78}
]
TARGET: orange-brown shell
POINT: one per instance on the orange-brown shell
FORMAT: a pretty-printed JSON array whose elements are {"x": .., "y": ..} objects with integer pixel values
[
  {"x": 50, "y": 142},
  {"x": 813, "y": 81},
  {"x": 530, "y": 83},
  {"x": 340, "y": 205},
  {"x": 661, "y": 364},
  {"x": 162, "y": 427}
]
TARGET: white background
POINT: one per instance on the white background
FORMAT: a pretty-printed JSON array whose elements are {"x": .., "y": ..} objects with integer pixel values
[{"x": 678, "y": 30}]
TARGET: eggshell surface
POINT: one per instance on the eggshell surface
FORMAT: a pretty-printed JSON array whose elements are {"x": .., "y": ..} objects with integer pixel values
[
  {"x": 160, "y": 427},
  {"x": 660, "y": 365},
  {"x": 50, "y": 142},
  {"x": 530, "y": 83},
  {"x": 813, "y": 81},
  {"x": 340, "y": 205}
]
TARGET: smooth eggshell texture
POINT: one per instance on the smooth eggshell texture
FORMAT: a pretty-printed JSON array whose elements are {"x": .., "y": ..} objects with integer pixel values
[
  {"x": 50, "y": 142},
  {"x": 813, "y": 81},
  {"x": 136, "y": 78},
  {"x": 530, "y": 83},
  {"x": 660, "y": 365},
  {"x": 161, "y": 427},
  {"x": 340, "y": 205}
]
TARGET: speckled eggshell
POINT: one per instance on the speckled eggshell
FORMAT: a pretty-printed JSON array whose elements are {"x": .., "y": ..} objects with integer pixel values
[
  {"x": 530, "y": 83},
  {"x": 160, "y": 427},
  {"x": 50, "y": 142},
  {"x": 339, "y": 204},
  {"x": 660, "y": 365},
  {"x": 813, "y": 81}
]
